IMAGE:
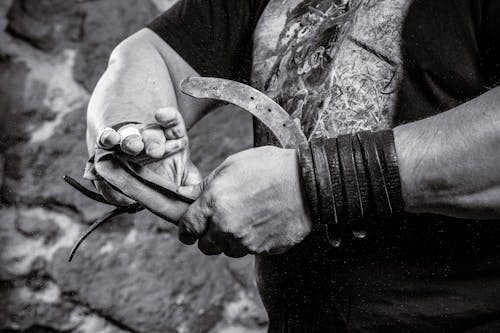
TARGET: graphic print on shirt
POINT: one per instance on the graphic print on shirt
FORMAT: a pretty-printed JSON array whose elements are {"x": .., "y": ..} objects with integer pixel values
[{"x": 332, "y": 64}]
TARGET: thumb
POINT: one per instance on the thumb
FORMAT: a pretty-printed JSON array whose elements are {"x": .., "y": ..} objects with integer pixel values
[
  {"x": 194, "y": 186},
  {"x": 191, "y": 191}
]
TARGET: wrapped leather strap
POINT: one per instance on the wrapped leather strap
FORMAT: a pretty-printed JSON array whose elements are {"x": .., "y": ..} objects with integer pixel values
[
  {"x": 349, "y": 178},
  {"x": 379, "y": 191},
  {"x": 334, "y": 230},
  {"x": 360, "y": 226},
  {"x": 389, "y": 162},
  {"x": 309, "y": 180},
  {"x": 327, "y": 212},
  {"x": 351, "y": 181}
]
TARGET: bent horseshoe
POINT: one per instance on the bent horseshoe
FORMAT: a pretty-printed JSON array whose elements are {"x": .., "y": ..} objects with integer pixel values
[{"x": 270, "y": 113}]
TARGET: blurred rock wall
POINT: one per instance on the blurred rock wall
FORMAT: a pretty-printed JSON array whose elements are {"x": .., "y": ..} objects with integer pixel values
[{"x": 132, "y": 275}]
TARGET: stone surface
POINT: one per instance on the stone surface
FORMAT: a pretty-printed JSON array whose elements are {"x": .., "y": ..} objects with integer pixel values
[
  {"x": 106, "y": 24},
  {"x": 132, "y": 275},
  {"x": 45, "y": 23}
]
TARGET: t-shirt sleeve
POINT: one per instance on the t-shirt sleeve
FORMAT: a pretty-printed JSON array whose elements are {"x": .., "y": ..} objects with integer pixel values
[
  {"x": 213, "y": 36},
  {"x": 489, "y": 40}
]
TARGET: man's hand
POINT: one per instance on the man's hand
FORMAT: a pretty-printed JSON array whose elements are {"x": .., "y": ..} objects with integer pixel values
[
  {"x": 142, "y": 77},
  {"x": 251, "y": 204},
  {"x": 166, "y": 145}
]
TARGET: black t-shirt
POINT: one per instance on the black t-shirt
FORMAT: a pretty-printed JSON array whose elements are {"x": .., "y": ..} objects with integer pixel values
[
  {"x": 423, "y": 273},
  {"x": 213, "y": 36}
]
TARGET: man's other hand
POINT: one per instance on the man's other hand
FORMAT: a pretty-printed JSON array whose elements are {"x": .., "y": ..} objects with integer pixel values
[{"x": 251, "y": 204}]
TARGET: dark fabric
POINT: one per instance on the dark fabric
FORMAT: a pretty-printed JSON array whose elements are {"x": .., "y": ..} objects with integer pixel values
[
  {"x": 450, "y": 53},
  {"x": 414, "y": 273},
  {"x": 213, "y": 36}
]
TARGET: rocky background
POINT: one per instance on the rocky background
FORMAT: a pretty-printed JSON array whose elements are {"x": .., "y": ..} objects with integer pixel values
[{"x": 132, "y": 275}]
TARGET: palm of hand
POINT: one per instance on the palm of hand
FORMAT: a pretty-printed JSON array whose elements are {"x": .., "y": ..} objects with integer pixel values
[{"x": 177, "y": 169}]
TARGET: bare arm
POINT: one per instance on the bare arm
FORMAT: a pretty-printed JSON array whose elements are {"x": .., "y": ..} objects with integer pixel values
[
  {"x": 142, "y": 76},
  {"x": 449, "y": 163},
  {"x": 141, "y": 85}
]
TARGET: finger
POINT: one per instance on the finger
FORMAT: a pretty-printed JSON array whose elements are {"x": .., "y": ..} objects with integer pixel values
[
  {"x": 111, "y": 195},
  {"x": 108, "y": 138},
  {"x": 174, "y": 146},
  {"x": 131, "y": 140},
  {"x": 154, "y": 141},
  {"x": 235, "y": 250},
  {"x": 171, "y": 120},
  {"x": 211, "y": 243},
  {"x": 193, "y": 224}
]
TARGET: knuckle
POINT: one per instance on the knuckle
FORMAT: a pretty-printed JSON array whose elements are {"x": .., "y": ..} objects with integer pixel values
[{"x": 203, "y": 248}]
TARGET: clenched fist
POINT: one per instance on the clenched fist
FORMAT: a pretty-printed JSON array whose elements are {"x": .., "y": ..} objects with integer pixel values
[{"x": 251, "y": 204}]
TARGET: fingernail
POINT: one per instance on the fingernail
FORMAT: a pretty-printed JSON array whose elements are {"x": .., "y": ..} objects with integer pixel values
[{"x": 106, "y": 137}]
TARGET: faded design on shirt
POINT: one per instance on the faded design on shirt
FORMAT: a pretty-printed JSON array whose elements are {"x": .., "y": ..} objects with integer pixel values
[{"x": 332, "y": 64}]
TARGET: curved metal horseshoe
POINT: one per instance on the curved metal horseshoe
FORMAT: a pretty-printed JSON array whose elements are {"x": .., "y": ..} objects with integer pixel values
[{"x": 270, "y": 113}]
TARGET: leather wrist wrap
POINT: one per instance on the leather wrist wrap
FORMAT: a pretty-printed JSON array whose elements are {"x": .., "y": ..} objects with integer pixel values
[
  {"x": 309, "y": 180},
  {"x": 350, "y": 181}
]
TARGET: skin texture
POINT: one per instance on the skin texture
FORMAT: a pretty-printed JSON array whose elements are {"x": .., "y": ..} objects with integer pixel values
[
  {"x": 448, "y": 165},
  {"x": 253, "y": 203},
  {"x": 245, "y": 206},
  {"x": 449, "y": 162},
  {"x": 138, "y": 87}
]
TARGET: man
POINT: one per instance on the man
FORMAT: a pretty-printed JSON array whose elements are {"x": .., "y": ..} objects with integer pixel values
[{"x": 427, "y": 69}]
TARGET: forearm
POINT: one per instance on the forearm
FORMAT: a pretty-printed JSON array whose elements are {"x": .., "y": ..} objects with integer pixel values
[{"x": 449, "y": 163}]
